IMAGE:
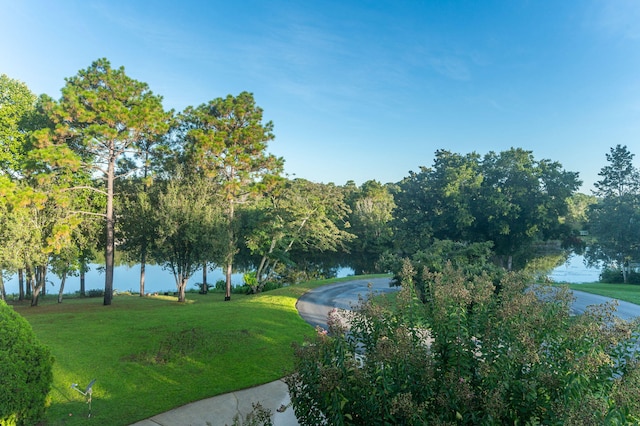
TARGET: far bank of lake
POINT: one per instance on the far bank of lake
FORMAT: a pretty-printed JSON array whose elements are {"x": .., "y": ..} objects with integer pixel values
[
  {"x": 127, "y": 278},
  {"x": 159, "y": 280}
]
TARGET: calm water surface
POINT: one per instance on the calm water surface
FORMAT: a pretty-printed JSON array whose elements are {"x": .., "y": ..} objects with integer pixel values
[
  {"x": 574, "y": 271},
  {"x": 159, "y": 280},
  {"x": 127, "y": 278}
]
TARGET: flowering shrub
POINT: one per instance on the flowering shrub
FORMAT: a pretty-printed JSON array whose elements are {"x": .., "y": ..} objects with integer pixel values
[{"x": 470, "y": 354}]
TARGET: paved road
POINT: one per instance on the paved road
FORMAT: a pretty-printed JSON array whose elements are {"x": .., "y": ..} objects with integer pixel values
[
  {"x": 625, "y": 310},
  {"x": 314, "y": 305}
]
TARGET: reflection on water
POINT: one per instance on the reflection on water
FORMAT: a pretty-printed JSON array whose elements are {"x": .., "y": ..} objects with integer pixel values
[{"x": 574, "y": 271}]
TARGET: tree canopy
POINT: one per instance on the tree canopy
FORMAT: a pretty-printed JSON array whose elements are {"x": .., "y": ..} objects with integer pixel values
[
  {"x": 105, "y": 116},
  {"x": 508, "y": 198},
  {"x": 16, "y": 103},
  {"x": 226, "y": 140},
  {"x": 615, "y": 218},
  {"x": 108, "y": 149}
]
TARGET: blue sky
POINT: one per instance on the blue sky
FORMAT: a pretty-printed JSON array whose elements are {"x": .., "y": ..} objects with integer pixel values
[{"x": 361, "y": 90}]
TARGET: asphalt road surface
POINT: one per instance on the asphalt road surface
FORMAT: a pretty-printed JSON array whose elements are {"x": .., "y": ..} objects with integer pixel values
[
  {"x": 316, "y": 304},
  {"x": 625, "y": 310}
]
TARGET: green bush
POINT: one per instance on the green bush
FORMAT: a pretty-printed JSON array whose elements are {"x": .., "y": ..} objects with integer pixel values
[
  {"x": 614, "y": 276},
  {"x": 95, "y": 292},
  {"x": 241, "y": 289},
  {"x": 25, "y": 371},
  {"x": 220, "y": 285},
  {"x": 467, "y": 355},
  {"x": 271, "y": 285}
]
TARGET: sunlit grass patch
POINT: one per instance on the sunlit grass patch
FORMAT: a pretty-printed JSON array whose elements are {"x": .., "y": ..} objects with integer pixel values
[
  {"x": 151, "y": 354},
  {"x": 627, "y": 292}
]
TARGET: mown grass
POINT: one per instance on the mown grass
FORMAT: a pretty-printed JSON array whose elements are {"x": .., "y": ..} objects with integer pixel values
[
  {"x": 626, "y": 292},
  {"x": 151, "y": 354}
]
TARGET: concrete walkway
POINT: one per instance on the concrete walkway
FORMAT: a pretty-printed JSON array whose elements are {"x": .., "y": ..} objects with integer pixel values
[{"x": 221, "y": 410}]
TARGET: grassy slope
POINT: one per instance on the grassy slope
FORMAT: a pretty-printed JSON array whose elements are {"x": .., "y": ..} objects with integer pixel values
[
  {"x": 152, "y": 354},
  {"x": 626, "y": 292}
]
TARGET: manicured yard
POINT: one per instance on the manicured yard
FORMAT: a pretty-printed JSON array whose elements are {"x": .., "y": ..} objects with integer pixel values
[
  {"x": 626, "y": 292},
  {"x": 151, "y": 354}
]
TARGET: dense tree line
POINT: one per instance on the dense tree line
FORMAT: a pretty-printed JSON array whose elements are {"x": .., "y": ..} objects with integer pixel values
[
  {"x": 106, "y": 166},
  {"x": 614, "y": 219},
  {"x": 190, "y": 190}
]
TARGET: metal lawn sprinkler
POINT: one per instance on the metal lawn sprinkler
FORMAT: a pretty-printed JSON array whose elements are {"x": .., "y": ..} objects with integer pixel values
[{"x": 87, "y": 392}]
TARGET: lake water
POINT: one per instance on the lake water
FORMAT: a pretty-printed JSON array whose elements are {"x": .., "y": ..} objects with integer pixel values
[
  {"x": 575, "y": 271},
  {"x": 125, "y": 278},
  {"x": 160, "y": 280}
]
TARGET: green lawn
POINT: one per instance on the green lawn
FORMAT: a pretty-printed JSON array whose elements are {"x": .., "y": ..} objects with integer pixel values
[
  {"x": 151, "y": 354},
  {"x": 626, "y": 292}
]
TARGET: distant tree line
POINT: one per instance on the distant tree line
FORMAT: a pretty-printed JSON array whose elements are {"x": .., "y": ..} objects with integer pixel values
[{"x": 106, "y": 167}]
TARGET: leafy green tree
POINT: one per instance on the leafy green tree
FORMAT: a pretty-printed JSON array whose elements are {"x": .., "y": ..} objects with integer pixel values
[
  {"x": 43, "y": 228},
  {"x": 135, "y": 204},
  {"x": 16, "y": 103},
  {"x": 226, "y": 141},
  {"x": 437, "y": 202},
  {"x": 620, "y": 177},
  {"x": 615, "y": 219},
  {"x": 188, "y": 231},
  {"x": 615, "y": 227},
  {"x": 73, "y": 258},
  {"x": 65, "y": 264},
  {"x": 521, "y": 202},
  {"x": 300, "y": 216},
  {"x": 107, "y": 116},
  {"x": 9, "y": 261},
  {"x": 372, "y": 208},
  {"x": 138, "y": 226},
  {"x": 507, "y": 198},
  {"x": 577, "y": 216}
]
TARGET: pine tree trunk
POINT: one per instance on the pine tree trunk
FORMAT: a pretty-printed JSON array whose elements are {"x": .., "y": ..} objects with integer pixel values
[
  {"x": 109, "y": 251},
  {"x": 231, "y": 251},
  {"x": 227, "y": 294},
  {"x": 3, "y": 294},
  {"x": 20, "y": 284},
  {"x": 62, "y": 281},
  {"x": 38, "y": 279},
  {"x": 181, "y": 288},
  {"x": 29, "y": 281},
  {"x": 82, "y": 283},
  {"x": 205, "y": 288}
]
